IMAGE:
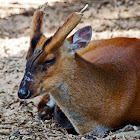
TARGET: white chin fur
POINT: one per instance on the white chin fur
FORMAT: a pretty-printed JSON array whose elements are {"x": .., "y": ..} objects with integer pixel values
[{"x": 51, "y": 103}]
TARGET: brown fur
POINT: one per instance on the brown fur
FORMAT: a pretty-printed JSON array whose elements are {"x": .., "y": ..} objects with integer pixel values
[
  {"x": 44, "y": 112},
  {"x": 104, "y": 92},
  {"x": 63, "y": 31},
  {"x": 97, "y": 87}
]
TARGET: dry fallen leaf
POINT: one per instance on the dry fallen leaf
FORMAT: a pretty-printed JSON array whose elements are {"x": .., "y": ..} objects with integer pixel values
[{"x": 107, "y": 18}]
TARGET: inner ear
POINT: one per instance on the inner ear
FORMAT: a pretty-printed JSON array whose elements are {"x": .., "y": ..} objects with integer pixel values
[{"x": 81, "y": 38}]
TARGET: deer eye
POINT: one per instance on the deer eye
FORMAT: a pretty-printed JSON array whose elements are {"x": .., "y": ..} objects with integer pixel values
[{"x": 48, "y": 63}]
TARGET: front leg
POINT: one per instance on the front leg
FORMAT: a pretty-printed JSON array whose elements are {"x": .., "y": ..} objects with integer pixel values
[
  {"x": 63, "y": 121},
  {"x": 46, "y": 107}
]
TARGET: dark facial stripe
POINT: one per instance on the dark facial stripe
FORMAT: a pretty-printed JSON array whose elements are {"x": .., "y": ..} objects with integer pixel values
[
  {"x": 35, "y": 40},
  {"x": 31, "y": 62},
  {"x": 47, "y": 42},
  {"x": 34, "y": 58}
]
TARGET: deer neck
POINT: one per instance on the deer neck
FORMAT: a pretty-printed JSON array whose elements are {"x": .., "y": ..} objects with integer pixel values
[
  {"x": 72, "y": 65},
  {"x": 76, "y": 72}
]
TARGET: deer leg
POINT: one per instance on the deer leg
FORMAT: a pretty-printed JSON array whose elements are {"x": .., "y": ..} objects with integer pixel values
[
  {"x": 46, "y": 107},
  {"x": 63, "y": 121}
]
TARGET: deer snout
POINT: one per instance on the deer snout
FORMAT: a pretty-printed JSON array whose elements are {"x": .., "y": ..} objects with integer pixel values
[{"x": 24, "y": 94}]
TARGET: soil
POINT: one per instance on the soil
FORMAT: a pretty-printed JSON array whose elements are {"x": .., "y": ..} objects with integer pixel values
[{"x": 18, "y": 118}]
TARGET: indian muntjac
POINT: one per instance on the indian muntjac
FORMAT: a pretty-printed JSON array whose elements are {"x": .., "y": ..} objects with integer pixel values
[{"x": 96, "y": 84}]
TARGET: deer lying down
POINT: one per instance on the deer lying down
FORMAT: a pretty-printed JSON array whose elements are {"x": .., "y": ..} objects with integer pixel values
[{"x": 96, "y": 85}]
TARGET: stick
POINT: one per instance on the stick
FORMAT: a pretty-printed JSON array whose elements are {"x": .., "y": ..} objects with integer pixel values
[{"x": 123, "y": 134}]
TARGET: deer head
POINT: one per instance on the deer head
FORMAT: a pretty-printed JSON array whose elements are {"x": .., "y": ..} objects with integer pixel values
[
  {"x": 47, "y": 56},
  {"x": 94, "y": 95}
]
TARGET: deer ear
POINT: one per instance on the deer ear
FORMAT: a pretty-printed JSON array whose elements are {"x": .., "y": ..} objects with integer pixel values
[{"x": 81, "y": 38}]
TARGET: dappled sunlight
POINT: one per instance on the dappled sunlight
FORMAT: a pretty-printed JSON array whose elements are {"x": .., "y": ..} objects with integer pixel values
[
  {"x": 18, "y": 6},
  {"x": 28, "y": 1},
  {"x": 18, "y": 46},
  {"x": 15, "y": 47},
  {"x": 108, "y": 19}
]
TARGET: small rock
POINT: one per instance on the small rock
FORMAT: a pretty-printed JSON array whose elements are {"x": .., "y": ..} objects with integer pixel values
[
  {"x": 82, "y": 138},
  {"x": 135, "y": 128}
]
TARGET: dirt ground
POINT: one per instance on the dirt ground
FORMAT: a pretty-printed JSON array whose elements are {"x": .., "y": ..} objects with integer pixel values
[{"x": 18, "y": 118}]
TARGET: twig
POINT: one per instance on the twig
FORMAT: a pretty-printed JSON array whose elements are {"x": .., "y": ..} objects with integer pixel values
[
  {"x": 123, "y": 134},
  {"x": 43, "y": 7},
  {"x": 54, "y": 135},
  {"x": 3, "y": 126},
  {"x": 25, "y": 133},
  {"x": 4, "y": 133}
]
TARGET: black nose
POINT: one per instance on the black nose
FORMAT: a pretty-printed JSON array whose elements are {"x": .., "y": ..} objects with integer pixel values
[{"x": 24, "y": 94}]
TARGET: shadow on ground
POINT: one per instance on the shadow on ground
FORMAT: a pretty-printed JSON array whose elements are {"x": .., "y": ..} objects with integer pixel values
[{"x": 107, "y": 18}]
